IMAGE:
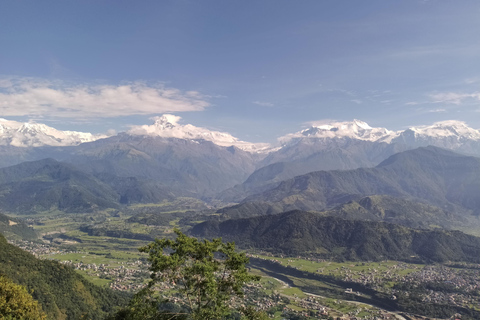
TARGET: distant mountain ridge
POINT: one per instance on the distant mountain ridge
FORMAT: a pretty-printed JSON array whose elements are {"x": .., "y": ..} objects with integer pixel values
[
  {"x": 440, "y": 177},
  {"x": 198, "y": 162},
  {"x": 31, "y": 134},
  {"x": 47, "y": 184},
  {"x": 348, "y": 145},
  {"x": 188, "y": 167},
  {"x": 451, "y": 134},
  {"x": 167, "y": 126}
]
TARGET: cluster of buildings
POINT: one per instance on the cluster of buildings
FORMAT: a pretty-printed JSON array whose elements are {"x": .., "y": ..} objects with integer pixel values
[
  {"x": 129, "y": 276},
  {"x": 41, "y": 249}
]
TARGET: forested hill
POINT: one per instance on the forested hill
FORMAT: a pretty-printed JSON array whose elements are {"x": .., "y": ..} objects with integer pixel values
[
  {"x": 299, "y": 232},
  {"x": 437, "y": 176},
  {"x": 16, "y": 228},
  {"x": 48, "y": 184},
  {"x": 62, "y": 293}
]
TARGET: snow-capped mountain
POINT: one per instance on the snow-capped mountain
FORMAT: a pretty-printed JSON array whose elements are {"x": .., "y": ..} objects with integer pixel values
[
  {"x": 31, "y": 134},
  {"x": 452, "y": 134},
  {"x": 350, "y": 145},
  {"x": 167, "y": 126},
  {"x": 355, "y": 129}
]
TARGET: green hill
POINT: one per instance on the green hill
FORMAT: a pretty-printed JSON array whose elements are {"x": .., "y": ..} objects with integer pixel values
[
  {"x": 437, "y": 176},
  {"x": 299, "y": 233},
  {"x": 16, "y": 228},
  {"x": 48, "y": 184},
  {"x": 62, "y": 293},
  {"x": 399, "y": 211}
]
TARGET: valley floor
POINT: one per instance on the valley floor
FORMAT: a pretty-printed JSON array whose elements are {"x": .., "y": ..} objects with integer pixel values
[{"x": 290, "y": 286}]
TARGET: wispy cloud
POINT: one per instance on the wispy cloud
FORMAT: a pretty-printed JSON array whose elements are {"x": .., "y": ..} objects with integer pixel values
[
  {"x": 347, "y": 92},
  {"x": 263, "y": 103},
  {"x": 35, "y": 97},
  {"x": 453, "y": 97},
  {"x": 357, "y": 101},
  {"x": 437, "y": 110}
]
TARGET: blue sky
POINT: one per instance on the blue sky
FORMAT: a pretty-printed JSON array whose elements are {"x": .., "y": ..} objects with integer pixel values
[{"x": 256, "y": 69}]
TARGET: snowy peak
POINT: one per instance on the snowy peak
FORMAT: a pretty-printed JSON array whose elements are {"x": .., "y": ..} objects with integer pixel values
[
  {"x": 167, "y": 126},
  {"x": 31, "y": 134},
  {"x": 453, "y": 135},
  {"x": 355, "y": 129},
  {"x": 167, "y": 121},
  {"x": 444, "y": 129}
]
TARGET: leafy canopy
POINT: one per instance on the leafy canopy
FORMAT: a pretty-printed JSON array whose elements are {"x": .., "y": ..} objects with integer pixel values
[
  {"x": 206, "y": 275},
  {"x": 16, "y": 303}
]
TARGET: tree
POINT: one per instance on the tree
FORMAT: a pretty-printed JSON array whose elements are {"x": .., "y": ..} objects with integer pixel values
[
  {"x": 205, "y": 275},
  {"x": 16, "y": 303}
]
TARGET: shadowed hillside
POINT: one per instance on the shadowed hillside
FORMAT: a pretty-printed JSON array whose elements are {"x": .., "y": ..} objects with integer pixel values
[{"x": 299, "y": 232}]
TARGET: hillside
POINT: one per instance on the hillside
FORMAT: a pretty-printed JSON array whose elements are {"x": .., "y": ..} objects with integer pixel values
[
  {"x": 300, "y": 233},
  {"x": 16, "y": 229},
  {"x": 399, "y": 211},
  {"x": 440, "y": 177},
  {"x": 62, "y": 293},
  {"x": 348, "y": 145},
  {"x": 48, "y": 184},
  {"x": 51, "y": 185},
  {"x": 188, "y": 167}
]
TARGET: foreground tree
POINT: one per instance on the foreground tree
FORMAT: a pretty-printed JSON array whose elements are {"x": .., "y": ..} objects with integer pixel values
[
  {"x": 16, "y": 303},
  {"x": 206, "y": 275}
]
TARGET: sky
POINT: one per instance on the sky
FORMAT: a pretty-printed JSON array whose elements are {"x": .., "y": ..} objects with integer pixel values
[{"x": 256, "y": 69}]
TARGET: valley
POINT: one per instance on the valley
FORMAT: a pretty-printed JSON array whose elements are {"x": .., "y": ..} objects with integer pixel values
[
  {"x": 290, "y": 285},
  {"x": 343, "y": 221}
]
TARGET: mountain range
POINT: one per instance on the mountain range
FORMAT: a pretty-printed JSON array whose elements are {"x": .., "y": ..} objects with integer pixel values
[
  {"x": 440, "y": 177},
  {"x": 454, "y": 135},
  {"x": 31, "y": 134},
  {"x": 183, "y": 160}
]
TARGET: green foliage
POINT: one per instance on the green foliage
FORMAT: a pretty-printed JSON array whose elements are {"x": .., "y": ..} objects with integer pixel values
[
  {"x": 16, "y": 303},
  {"x": 206, "y": 275},
  {"x": 252, "y": 314},
  {"x": 62, "y": 293}
]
